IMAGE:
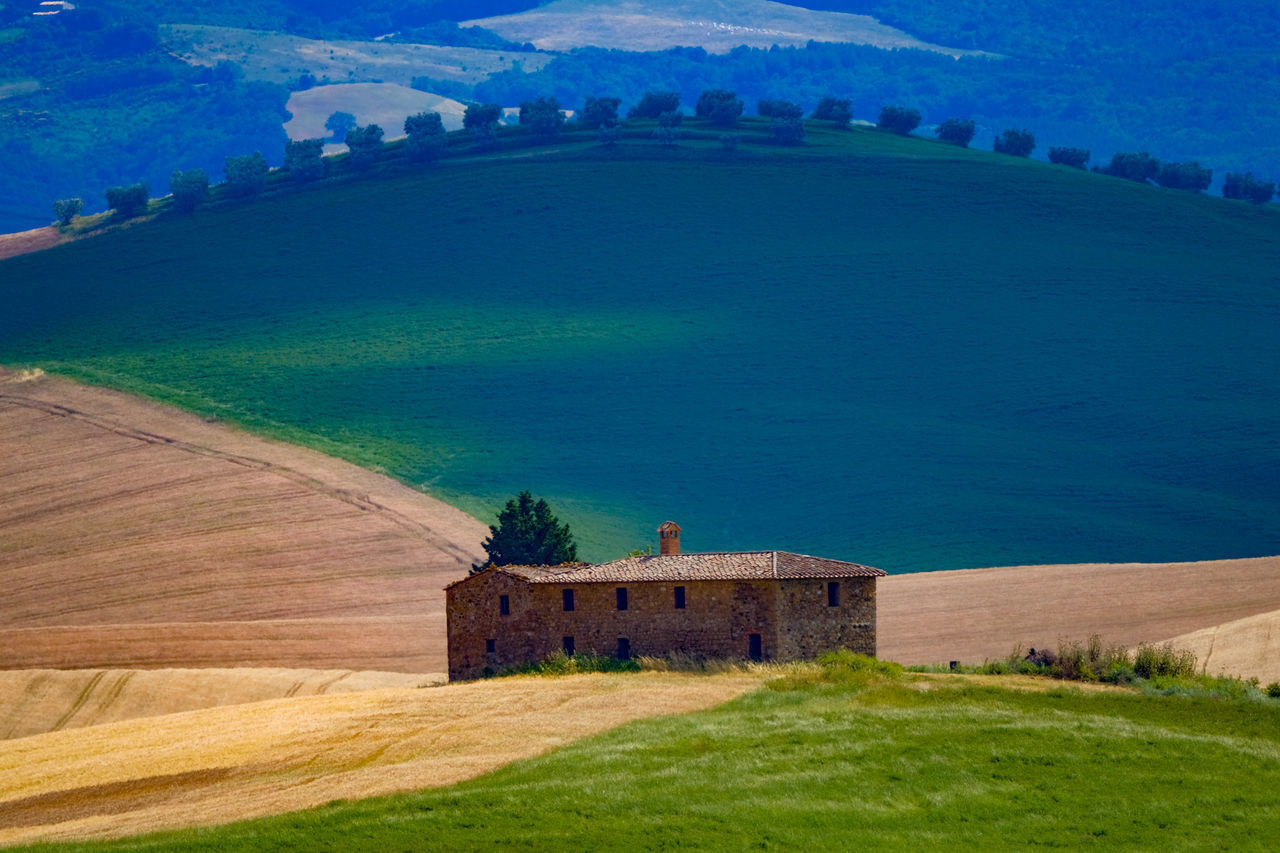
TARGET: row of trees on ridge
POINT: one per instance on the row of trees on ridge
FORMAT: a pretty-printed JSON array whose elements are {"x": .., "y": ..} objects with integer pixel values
[{"x": 427, "y": 140}]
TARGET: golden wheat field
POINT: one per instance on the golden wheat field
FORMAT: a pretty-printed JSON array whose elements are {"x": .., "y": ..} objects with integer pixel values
[
  {"x": 35, "y": 701},
  {"x": 219, "y": 764}
]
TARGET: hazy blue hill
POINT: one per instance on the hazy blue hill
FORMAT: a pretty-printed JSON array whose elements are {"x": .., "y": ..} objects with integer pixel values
[{"x": 881, "y": 349}]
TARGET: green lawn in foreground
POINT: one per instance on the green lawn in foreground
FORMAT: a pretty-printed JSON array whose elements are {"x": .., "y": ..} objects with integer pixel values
[{"x": 866, "y": 764}]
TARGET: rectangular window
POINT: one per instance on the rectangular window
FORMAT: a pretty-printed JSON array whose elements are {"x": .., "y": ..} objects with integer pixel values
[
  {"x": 504, "y": 605},
  {"x": 755, "y": 647},
  {"x": 624, "y": 648},
  {"x": 490, "y": 646},
  {"x": 568, "y": 645},
  {"x": 622, "y": 598},
  {"x": 833, "y": 594},
  {"x": 568, "y": 599},
  {"x": 679, "y": 598}
]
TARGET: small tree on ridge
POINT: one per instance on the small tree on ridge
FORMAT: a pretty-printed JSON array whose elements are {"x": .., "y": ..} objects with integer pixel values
[
  {"x": 957, "y": 131},
  {"x": 899, "y": 119},
  {"x": 67, "y": 209},
  {"x": 1017, "y": 143}
]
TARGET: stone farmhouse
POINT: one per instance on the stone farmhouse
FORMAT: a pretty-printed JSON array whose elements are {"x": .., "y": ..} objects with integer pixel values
[{"x": 763, "y": 605}]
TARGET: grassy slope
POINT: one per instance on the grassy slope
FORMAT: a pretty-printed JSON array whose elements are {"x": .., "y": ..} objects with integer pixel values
[
  {"x": 845, "y": 767},
  {"x": 979, "y": 360}
]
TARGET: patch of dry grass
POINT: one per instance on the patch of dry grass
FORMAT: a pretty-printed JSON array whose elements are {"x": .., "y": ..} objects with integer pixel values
[
  {"x": 222, "y": 764},
  {"x": 45, "y": 700}
]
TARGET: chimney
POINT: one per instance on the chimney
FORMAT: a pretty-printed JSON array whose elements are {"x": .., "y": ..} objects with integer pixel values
[{"x": 668, "y": 538}]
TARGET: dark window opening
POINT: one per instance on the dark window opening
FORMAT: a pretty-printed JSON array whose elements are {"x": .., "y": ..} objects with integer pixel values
[
  {"x": 622, "y": 598},
  {"x": 833, "y": 594},
  {"x": 568, "y": 645},
  {"x": 755, "y": 647},
  {"x": 504, "y": 605},
  {"x": 679, "y": 598},
  {"x": 568, "y": 599},
  {"x": 490, "y": 646},
  {"x": 624, "y": 648}
]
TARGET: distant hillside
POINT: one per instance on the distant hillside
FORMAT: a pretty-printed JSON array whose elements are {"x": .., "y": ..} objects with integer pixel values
[
  {"x": 885, "y": 349},
  {"x": 716, "y": 25}
]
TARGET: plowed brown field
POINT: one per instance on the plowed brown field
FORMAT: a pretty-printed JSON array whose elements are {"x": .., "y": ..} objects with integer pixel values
[
  {"x": 134, "y": 535},
  {"x": 21, "y": 242},
  {"x": 980, "y": 614}
]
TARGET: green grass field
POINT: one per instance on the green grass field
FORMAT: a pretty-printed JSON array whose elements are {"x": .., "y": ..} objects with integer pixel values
[
  {"x": 841, "y": 762},
  {"x": 870, "y": 347}
]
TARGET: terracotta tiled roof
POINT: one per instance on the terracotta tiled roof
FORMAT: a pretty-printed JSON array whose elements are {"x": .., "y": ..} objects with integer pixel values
[{"x": 724, "y": 565}]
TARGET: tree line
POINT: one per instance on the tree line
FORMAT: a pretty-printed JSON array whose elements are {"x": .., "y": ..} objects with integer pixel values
[{"x": 543, "y": 118}]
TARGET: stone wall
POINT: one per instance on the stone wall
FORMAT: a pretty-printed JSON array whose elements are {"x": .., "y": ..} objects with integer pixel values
[
  {"x": 792, "y": 617},
  {"x": 717, "y": 620},
  {"x": 809, "y": 625}
]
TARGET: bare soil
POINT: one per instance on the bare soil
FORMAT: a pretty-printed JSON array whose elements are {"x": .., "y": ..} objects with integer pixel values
[
  {"x": 21, "y": 242},
  {"x": 980, "y": 614},
  {"x": 178, "y": 542}
]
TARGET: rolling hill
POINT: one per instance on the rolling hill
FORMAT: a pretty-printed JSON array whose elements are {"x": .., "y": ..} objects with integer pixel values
[
  {"x": 718, "y": 26},
  {"x": 134, "y": 535},
  {"x": 884, "y": 349},
  {"x": 137, "y": 537}
]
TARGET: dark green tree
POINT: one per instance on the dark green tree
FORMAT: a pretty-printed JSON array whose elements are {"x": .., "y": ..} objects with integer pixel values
[
  {"x": 528, "y": 534},
  {"x": 719, "y": 106},
  {"x": 957, "y": 131},
  {"x": 654, "y": 104},
  {"x": 542, "y": 116},
  {"x": 247, "y": 175},
  {"x": 482, "y": 121},
  {"x": 1184, "y": 176},
  {"x": 129, "y": 200},
  {"x": 1140, "y": 167},
  {"x": 427, "y": 137},
  {"x": 1074, "y": 157},
  {"x": 1247, "y": 188},
  {"x": 189, "y": 189},
  {"x": 67, "y": 209},
  {"x": 481, "y": 115},
  {"x": 900, "y": 120},
  {"x": 600, "y": 112},
  {"x": 838, "y": 111},
  {"x": 364, "y": 145},
  {"x": 1018, "y": 143},
  {"x": 304, "y": 159},
  {"x": 338, "y": 124}
]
